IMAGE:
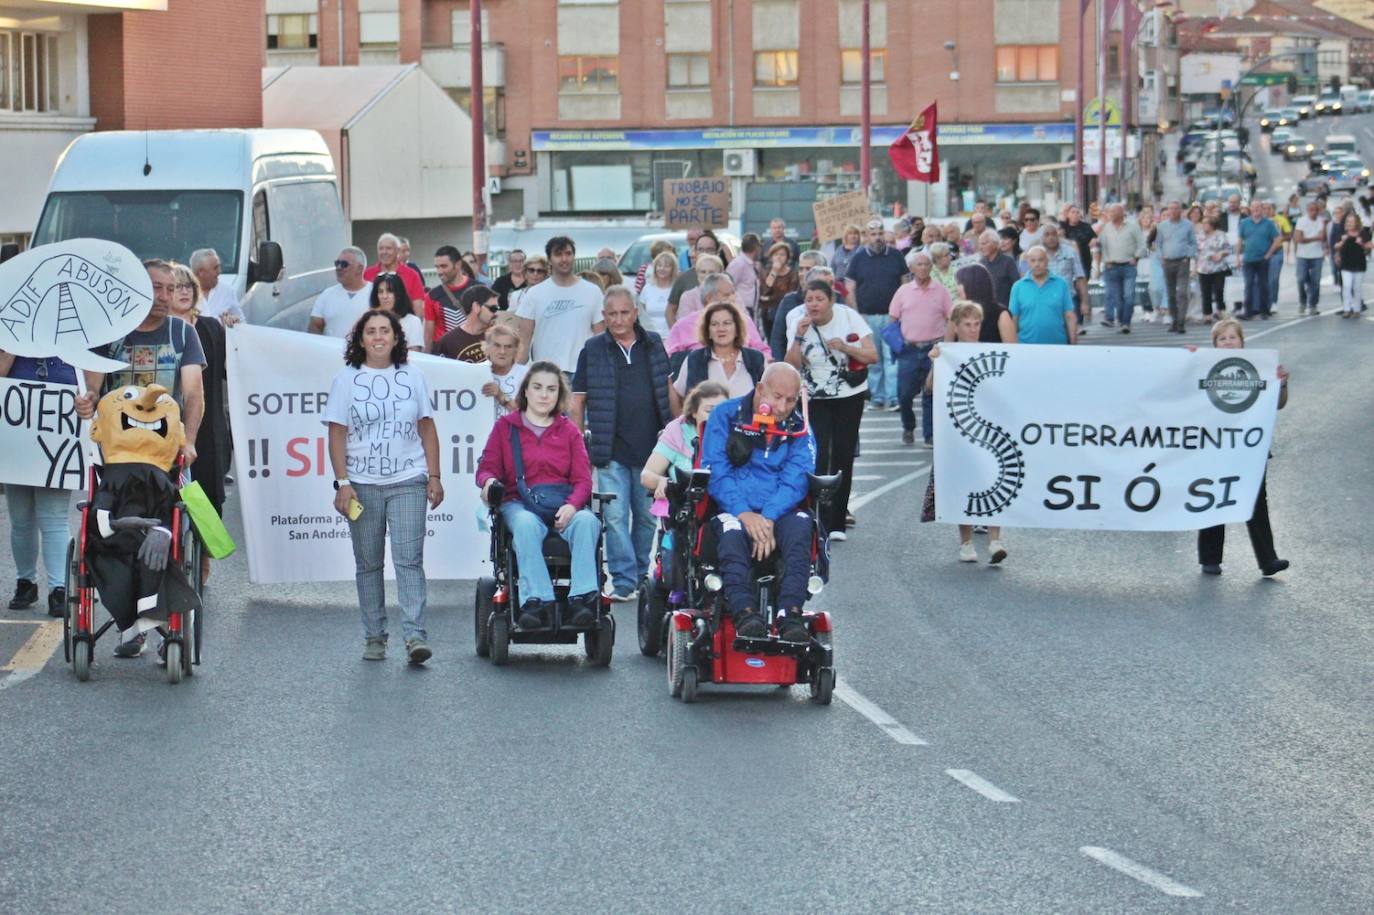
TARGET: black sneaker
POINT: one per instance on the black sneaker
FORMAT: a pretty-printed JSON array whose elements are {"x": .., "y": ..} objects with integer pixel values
[
  {"x": 908, "y": 436},
  {"x": 25, "y": 594},
  {"x": 582, "y": 609},
  {"x": 751, "y": 626},
  {"x": 57, "y": 602},
  {"x": 1211, "y": 568},
  {"x": 1126, "y": 329},
  {"x": 1274, "y": 568},
  {"x": 792, "y": 629},
  {"x": 531, "y": 614},
  {"x": 132, "y": 648}
]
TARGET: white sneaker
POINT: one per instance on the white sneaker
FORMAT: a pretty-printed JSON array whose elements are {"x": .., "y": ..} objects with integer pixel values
[
  {"x": 967, "y": 553},
  {"x": 839, "y": 536},
  {"x": 999, "y": 552},
  {"x": 625, "y": 597}
]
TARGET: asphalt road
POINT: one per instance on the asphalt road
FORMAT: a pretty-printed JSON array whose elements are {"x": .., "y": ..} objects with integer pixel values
[{"x": 1090, "y": 727}]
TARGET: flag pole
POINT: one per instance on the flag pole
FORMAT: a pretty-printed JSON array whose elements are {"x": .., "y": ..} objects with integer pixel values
[
  {"x": 1101, "y": 107},
  {"x": 1079, "y": 185},
  {"x": 866, "y": 115}
]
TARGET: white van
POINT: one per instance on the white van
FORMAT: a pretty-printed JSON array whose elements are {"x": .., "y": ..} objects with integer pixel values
[
  {"x": 1350, "y": 98},
  {"x": 267, "y": 201},
  {"x": 1339, "y": 143}
]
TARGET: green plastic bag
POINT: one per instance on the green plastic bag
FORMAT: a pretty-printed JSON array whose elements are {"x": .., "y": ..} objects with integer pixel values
[{"x": 207, "y": 522}]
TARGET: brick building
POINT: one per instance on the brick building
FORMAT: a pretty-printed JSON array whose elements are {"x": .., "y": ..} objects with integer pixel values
[
  {"x": 592, "y": 102},
  {"x": 67, "y": 68}
]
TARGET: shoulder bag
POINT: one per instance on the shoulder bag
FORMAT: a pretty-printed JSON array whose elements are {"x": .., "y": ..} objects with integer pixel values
[{"x": 544, "y": 499}]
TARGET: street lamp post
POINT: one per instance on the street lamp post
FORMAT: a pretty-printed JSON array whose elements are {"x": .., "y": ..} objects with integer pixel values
[
  {"x": 865, "y": 113},
  {"x": 479, "y": 139}
]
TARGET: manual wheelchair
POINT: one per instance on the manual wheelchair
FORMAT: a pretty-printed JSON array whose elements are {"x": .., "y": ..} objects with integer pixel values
[
  {"x": 182, "y": 632},
  {"x": 700, "y": 633},
  {"x": 498, "y": 596}
]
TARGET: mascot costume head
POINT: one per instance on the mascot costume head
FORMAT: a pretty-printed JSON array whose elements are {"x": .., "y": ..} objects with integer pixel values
[{"x": 135, "y": 425}]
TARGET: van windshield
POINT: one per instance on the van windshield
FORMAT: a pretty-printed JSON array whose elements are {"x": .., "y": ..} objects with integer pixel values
[{"x": 165, "y": 224}]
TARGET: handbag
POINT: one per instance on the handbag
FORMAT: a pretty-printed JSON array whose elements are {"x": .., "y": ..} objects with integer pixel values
[
  {"x": 851, "y": 377},
  {"x": 543, "y": 499},
  {"x": 892, "y": 336}
]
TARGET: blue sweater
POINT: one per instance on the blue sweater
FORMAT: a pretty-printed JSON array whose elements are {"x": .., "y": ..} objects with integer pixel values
[{"x": 773, "y": 482}]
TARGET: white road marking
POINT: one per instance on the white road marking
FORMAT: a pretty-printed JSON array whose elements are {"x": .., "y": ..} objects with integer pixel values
[
  {"x": 909, "y": 449},
  {"x": 864, "y": 465},
  {"x": 867, "y": 476},
  {"x": 1136, "y": 871},
  {"x": 984, "y": 787},
  {"x": 856, "y": 700},
  {"x": 861, "y": 501}
]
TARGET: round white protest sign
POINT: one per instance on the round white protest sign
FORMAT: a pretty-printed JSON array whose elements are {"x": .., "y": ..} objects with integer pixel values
[{"x": 63, "y": 299}]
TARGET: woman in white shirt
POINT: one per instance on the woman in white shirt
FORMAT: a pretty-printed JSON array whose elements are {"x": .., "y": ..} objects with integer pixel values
[
  {"x": 389, "y": 294},
  {"x": 832, "y": 346},
  {"x": 385, "y": 454},
  {"x": 653, "y": 298}
]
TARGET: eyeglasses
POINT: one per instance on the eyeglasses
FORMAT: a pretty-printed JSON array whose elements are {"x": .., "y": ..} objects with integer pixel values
[
  {"x": 342, "y": 264},
  {"x": 181, "y": 286},
  {"x": 536, "y": 269}
]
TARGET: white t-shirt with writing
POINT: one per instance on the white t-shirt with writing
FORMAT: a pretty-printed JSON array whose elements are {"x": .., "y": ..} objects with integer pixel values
[
  {"x": 820, "y": 365},
  {"x": 510, "y": 383},
  {"x": 1312, "y": 228},
  {"x": 340, "y": 308},
  {"x": 563, "y": 317},
  {"x": 381, "y": 409}
]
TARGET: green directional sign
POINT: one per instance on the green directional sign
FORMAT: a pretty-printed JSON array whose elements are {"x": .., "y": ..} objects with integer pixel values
[{"x": 1264, "y": 79}]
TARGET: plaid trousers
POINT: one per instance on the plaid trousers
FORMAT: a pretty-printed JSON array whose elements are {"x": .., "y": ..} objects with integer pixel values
[{"x": 401, "y": 507}]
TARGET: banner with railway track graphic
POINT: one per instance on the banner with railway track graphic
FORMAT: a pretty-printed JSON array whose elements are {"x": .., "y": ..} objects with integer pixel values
[{"x": 1107, "y": 438}]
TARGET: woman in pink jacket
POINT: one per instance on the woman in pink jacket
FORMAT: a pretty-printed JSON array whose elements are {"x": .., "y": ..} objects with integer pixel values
[{"x": 538, "y": 455}]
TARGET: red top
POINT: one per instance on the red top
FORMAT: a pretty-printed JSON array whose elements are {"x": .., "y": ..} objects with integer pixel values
[
  {"x": 557, "y": 456},
  {"x": 414, "y": 283},
  {"x": 436, "y": 303}
]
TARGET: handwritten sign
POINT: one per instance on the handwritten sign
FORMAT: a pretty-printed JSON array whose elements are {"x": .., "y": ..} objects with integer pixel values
[
  {"x": 65, "y": 298},
  {"x": 834, "y": 213},
  {"x": 696, "y": 203},
  {"x": 40, "y": 435}
]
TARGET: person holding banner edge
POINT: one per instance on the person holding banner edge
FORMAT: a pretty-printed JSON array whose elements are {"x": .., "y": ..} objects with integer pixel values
[
  {"x": 1230, "y": 334},
  {"x": 38, "y": 514},
  {"x": 385, "y": 454}
]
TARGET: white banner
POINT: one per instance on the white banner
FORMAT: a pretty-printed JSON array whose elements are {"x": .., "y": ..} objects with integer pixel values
[
  {"x": 40, "y": 435},
  {"x": 1109, "y": 438},
  {"x": 279, "y": 383}
]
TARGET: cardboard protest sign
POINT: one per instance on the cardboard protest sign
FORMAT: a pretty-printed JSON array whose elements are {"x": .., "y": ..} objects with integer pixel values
[
  {"x": 40, "y": 435},
  {"x": 65, "y": 298},
  {"x": 1187, "y": 449},
  {"x": 696, "y": 202},
  {"x": 281, "y": 381},
  {"x": 834, "y": 213}
]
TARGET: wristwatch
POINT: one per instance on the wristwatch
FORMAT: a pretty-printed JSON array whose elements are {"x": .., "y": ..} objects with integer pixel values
[{"x": 340, "y": 484}]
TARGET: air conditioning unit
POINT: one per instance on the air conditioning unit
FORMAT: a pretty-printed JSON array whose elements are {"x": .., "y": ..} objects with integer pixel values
[{"x": 739, "y": 163}]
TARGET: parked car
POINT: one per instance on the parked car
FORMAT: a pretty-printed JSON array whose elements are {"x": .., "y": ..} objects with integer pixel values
[
  {"x": 1305, "y": 105},
  {"x": 637, "y": 254}
]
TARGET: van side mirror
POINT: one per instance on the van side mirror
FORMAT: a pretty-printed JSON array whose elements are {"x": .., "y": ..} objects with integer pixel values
[
  {"x": 269, "y": 264},
  {"x": 8, "y": 251}
]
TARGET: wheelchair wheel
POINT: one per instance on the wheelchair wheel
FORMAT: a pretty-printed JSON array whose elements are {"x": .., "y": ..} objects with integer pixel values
[
  {"x": 599, "y": 642},
  {"x": 822, "y": 685},
  {"x": 174, "y": 663},
  {"x": 689, "y": 684},
  {"x": 481, "y": 616},
  {"x": 190, "y": 621},
  {"x": 652, "y": 611},
  {"x": 500, "y": 639},
  {"x": 70, "y": 585},
  {"x": 677, "y": 657},
  {"x": 81, "y": 660}
]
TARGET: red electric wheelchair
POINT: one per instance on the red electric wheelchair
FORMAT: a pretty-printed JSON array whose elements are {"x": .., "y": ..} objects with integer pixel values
[
  {"x": 701, "y": 640},
  {"x": 182, "y": 633}
]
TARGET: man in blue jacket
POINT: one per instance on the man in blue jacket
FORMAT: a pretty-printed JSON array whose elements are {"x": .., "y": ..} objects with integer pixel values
[{"x": 759, "y": 451}]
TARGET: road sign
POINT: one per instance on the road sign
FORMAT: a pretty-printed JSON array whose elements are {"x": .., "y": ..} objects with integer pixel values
[
  {"x": 1093, "y": 112},
  {"x": 1264, "y": 79}
]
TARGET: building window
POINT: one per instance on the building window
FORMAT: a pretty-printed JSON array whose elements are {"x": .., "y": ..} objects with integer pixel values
[
  {"x": 689, "y": 71},
  {"x": 852, "y": 62},
  {"x": 29, "y": 72},
  {"x": 588, "y": 75},
  {"x": 493, "y": 108},
  {"x": 293, "y": 32},
  {"x": 775, "y": 68},
  {"x": 21, "y": 240},
  {"x": 1028, "y": 63},
  {"x": 379, "y": 30}
]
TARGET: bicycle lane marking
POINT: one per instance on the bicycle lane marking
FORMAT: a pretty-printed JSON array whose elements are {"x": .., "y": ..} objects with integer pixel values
[{"x": 34, "y": 653}]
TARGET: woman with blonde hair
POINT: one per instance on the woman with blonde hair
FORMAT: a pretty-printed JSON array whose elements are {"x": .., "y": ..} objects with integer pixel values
[{"x": 653, "y": 294}]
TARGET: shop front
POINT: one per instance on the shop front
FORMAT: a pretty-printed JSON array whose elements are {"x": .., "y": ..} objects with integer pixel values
[{"x": 621, "y": 172}]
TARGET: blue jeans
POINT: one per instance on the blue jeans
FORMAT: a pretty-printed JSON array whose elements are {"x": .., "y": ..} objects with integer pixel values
[
  {"x": 1275, "y": 270},
  {"x": 398, "y": 509},
  {"x": 1256, "y": 287},
  {"x": 1309, "y": 281},
  {"x": 913, "y": 365},
  {"x": 527, "y": 533},
  {"x": 1118, "y": 282},
  {"x": 629, "y": 525},
  {"x": 882, "y": 375},
  {"x": 35, "y": 512}
]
